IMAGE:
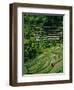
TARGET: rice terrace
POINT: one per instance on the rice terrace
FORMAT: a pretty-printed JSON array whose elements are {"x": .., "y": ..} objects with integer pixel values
[{"x": 43, "y": 43}]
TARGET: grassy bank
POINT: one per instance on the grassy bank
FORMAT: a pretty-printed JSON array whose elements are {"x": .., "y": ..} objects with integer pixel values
[{"x": 50, "y": 61}]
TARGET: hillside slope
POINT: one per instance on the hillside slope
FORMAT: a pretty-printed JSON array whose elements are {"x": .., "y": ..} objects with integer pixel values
[{"x": 50, "y": 61}]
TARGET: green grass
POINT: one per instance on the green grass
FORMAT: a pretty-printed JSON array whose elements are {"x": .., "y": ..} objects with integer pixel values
[{"x": 42, "y": 63}]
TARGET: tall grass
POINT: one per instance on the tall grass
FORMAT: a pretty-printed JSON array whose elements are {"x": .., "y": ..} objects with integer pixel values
[{"x": 50, "y": 61}]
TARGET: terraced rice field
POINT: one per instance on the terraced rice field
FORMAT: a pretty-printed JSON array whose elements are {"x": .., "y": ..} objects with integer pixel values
[{"x": 50, "y": 61}]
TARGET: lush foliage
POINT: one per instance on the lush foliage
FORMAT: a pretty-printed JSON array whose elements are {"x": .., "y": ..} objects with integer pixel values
[{"x": 43, "y": 38}]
